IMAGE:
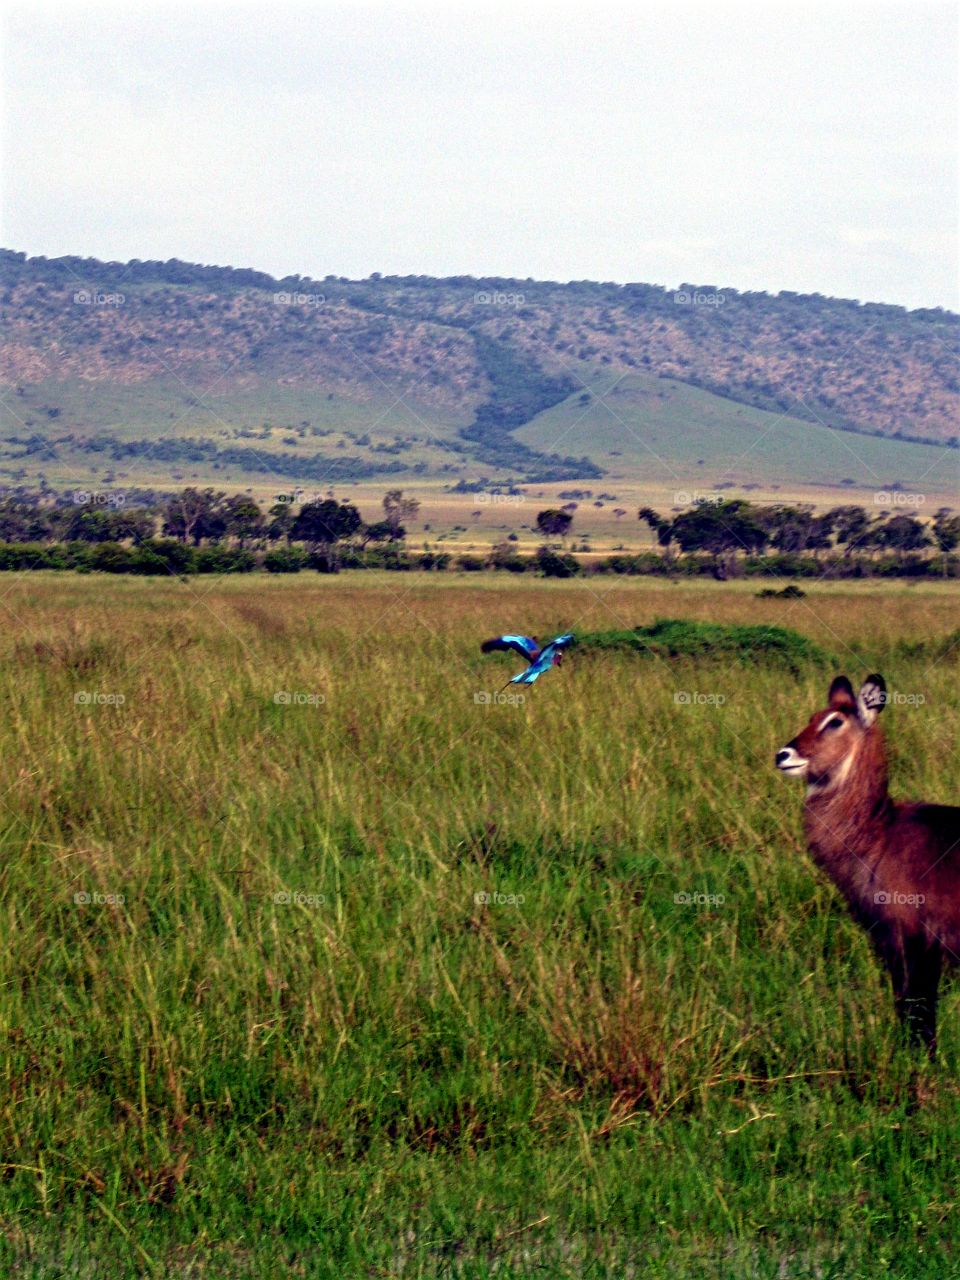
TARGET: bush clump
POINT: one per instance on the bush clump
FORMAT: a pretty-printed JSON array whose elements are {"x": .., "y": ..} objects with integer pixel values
[
  {"x": 682, "y": 638},
  {"x": 553, "y": 565},
  {"x": 285, "y": 560},
  {"x": 789, "y": 592}
]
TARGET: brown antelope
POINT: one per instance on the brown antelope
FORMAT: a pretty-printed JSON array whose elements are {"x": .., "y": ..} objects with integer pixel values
[{"x": 897, "y": 865}]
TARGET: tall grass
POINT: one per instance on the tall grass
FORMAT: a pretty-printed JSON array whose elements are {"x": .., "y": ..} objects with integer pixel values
[{"x": 371, "y": 975}]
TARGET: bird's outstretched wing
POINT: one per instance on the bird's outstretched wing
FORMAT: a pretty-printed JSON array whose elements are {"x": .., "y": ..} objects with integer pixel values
[
  {"x": 561, "y": 642},
  {"x": 545, "y": 660},
  {"x": 526, "y": 646}
]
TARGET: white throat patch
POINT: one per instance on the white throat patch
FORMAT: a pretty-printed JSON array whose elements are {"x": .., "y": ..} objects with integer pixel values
[{"x": 833, "y": 780}]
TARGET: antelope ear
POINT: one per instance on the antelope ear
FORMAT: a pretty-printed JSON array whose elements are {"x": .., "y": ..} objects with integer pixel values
[
  {"x": 841, "y": 694},
  {"x": 871, "y": 699}
]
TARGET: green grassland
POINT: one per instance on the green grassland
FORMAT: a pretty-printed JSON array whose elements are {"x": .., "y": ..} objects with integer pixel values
[
  {"x": 204, "y": 407},
  {"x": 679, "y": 436},
  {"x": 277, "y": 422},
  {"x": 663, "y": 443},
  {"x": 373, "y": 975}
]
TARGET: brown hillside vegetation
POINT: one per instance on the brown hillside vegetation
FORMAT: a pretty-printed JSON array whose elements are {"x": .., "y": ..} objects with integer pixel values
[{"x": 160, "y": 374}]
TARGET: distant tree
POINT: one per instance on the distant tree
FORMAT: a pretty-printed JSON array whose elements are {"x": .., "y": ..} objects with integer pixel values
[
  {"x": 946, "y": 533},
  {"x": 554, "y": 523},
  {"x": 324, "y": 524},
  {"x": 243, "y": 517},
  {"x": 903, "y": 534},
  {"x": 281, "y": 522},
  {"x": 722, "y": 529},
  {"x": 12, "y": 520},
  {"x": 195, "y": 514},
  {"x": 380, "y": 531},
  {"x": 819, "y": 534},
  {"x": 38, "y": 526},
  {"x": 850, "y": 525},
  {"x": 661, "y": 527},
  {"x": 398, "y": 510},
  {"x": 86, "y": 525},
  {"x": 132, "y": 525},
  {"x": 787, "y": 527},
  {"x": 795, "y": 529},
  {"x": 101, "y": 525}
]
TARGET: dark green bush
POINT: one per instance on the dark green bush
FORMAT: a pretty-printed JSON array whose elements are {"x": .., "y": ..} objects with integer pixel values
[
  {"x": 285, "y": 560},
  {"x": 679, "y": 637},
  {"x": 111, "y": 557},
  {"x": 552, "y": 565},
  {"x": 217, "y": 559},
  {"x": 438, "y": 560}
]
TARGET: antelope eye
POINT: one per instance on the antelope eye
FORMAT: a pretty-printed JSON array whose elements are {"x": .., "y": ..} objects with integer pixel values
[{"x": 836, "y": 723}]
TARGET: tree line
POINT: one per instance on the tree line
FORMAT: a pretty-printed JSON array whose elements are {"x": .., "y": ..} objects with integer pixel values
[
  {"x": 206, "y": 530},
  {"x": 730, "y": 530},
  {"x": 198, "y": 517}
]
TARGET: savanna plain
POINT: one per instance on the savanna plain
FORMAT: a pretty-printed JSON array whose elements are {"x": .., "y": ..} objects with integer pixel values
[{"x": 321, "y": 960}]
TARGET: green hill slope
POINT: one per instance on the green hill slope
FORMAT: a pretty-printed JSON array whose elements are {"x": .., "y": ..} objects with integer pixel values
[{"x": 640, "y": 426}]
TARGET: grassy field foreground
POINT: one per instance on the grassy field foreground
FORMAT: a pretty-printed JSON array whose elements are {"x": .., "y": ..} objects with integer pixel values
[{"x": 320, "y": 961}]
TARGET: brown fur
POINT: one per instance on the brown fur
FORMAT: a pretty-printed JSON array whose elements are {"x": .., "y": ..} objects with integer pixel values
[{"x": 897, "y": 865}]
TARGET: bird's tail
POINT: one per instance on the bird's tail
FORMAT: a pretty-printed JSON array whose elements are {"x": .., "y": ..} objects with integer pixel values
[
  {"x": 522, "y": 678},
  {"x": 525, "y": 677}
]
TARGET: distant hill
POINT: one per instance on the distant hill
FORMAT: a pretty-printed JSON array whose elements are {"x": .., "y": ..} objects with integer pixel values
[{"x": 182, "y": 367}]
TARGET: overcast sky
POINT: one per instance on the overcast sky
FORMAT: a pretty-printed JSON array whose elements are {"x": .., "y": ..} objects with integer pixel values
[{"x": 804, "y": 148}]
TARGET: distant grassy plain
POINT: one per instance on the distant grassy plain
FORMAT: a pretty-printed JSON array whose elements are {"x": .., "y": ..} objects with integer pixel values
[
  {"x": 660, "y": 442},
  {"x": 371, "y": 975}
]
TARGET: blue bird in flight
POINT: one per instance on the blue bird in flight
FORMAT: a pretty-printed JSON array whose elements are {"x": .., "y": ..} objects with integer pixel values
[{"x": 540, "y": 660}]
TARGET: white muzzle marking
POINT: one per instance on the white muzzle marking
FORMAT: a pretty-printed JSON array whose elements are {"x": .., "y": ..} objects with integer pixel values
[{"x": 790, "y": 761}]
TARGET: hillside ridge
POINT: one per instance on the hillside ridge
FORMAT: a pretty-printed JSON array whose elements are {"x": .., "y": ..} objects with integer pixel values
[{"x": 128, "y": 354}]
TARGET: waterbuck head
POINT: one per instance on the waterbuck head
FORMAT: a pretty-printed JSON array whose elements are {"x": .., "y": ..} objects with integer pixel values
[{"x": 823, "y": 752}]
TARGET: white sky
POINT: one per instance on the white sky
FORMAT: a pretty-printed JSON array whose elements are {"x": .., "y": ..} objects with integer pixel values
[{"x": 808, "y": 148}]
